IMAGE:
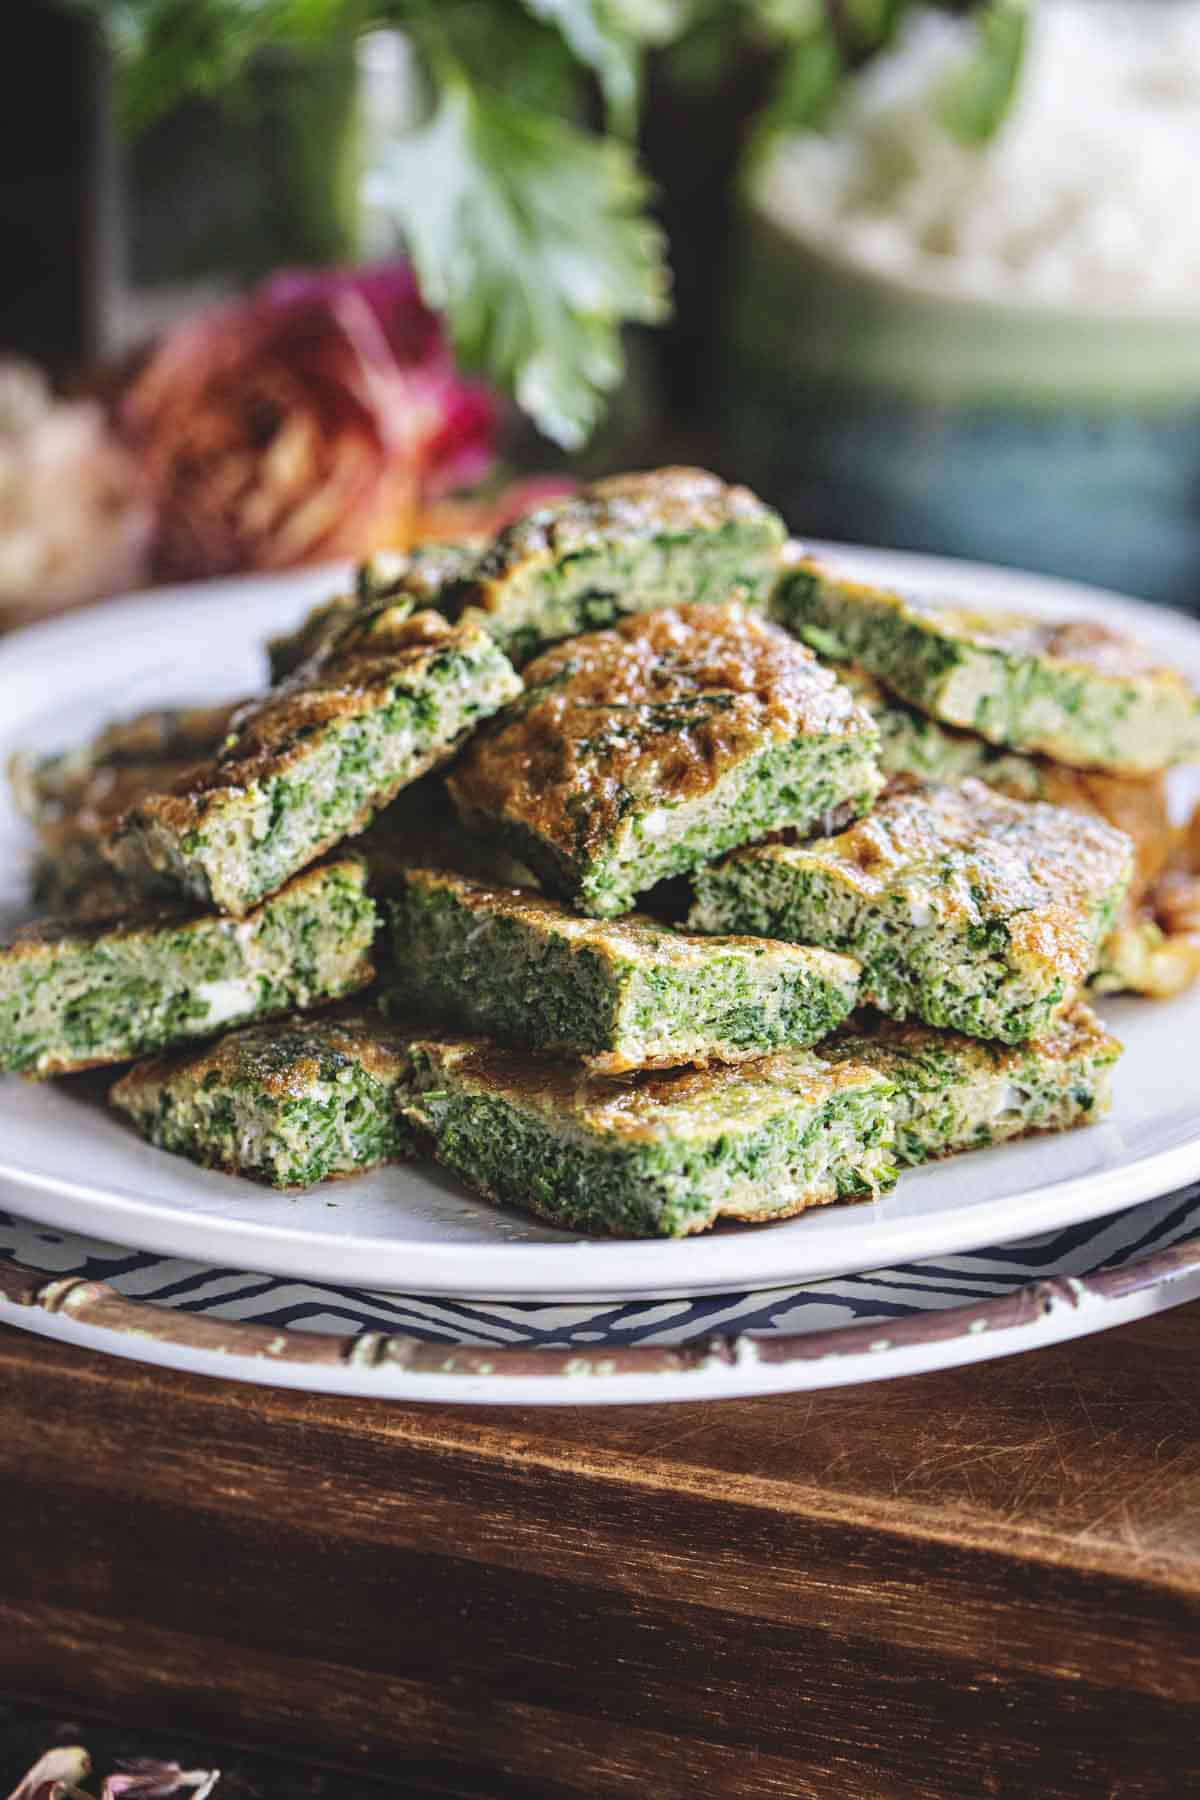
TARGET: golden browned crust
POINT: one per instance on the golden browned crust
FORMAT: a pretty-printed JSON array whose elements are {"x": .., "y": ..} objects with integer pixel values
[
  {"x": 178, "y": 734},
  {"x": 1176, "y": 902},
  {"x": 1075, "y": 1032},
  {"x": 642, "y": 503},
  {"x": 1083, "y": 644},
  {"x": 267, "y": 737},
  {"x": 40, "y": 937},
  {"x": 1189, "y": 848},
  {"x": 91, "y": 805},
  {"x": 130, "y": 757},
  {"x": 826, "y": 1196},
  {"x": 1071, "y": 643},
  {"x": 633, "y": 934},
  {"x": 1042, "y": 868},
  {"x": 274, "y": 1058},
  {"x": 423, "y": 573},
  {"x": 693, "y": 493},
  {"x": 663, "y": 704},
  {"x": 73, "y": 842},
  {"x": 634, "y": 1105},
  {"x": 314, "y": 636},
  {"x": 1069, "y": 858},
  {"x": 1134, "y": 804}
]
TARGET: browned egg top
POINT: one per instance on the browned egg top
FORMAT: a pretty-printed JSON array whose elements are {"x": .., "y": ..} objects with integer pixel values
[
  {"x": 630, "y": 506},
  {"x": 648, "y": 1104},
  {"x": 1079, "y": 642},
  {"x": 1074, "y": 1033},
  {"x": 1014, "y": 849},
  {"x": 656, "y": 709},
  {"x": 266, "y": 736},
  {"x": 636, "y": 934},
  {"x": 43, "y": 937},
  {"x": 164, "y": 732},
  {"x": 103, "y": 794},
  {"x": 282, "y": 1058},
  {"x": 973, "y": 854},
  {"x": 1136, "y": 804}
]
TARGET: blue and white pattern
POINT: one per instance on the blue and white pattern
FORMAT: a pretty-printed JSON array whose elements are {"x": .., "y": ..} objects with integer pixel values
[{"x": 883, "y": 1294}]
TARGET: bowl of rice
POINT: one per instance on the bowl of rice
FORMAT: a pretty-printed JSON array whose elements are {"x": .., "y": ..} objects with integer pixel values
[{"x": 989, "y": 350}]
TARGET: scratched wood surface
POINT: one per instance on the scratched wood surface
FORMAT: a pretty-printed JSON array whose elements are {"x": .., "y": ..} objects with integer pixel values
[{"x": 982, "y": 1582}]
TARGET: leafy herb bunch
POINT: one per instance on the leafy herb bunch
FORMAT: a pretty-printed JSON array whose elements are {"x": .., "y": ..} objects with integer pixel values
[{"x": 522, "y": 202}]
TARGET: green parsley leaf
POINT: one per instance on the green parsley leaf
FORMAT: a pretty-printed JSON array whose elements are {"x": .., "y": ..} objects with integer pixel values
[
  {"x": 611, "y": 54},
  {"x": 502, "y": 47},
  {"x": 870, "y": 24},
  {"x": 168, "y": 49},
  {"x": 975, "y": 102},
  {"x": 532, "y": 235},
  {"x": 608, "y": 37},
  {"x": 651, "y": 21},
  {"x": 808, "y": 80}
]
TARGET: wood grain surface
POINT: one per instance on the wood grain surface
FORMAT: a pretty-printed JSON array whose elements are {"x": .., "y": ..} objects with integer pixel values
[{"x": 981, "y": 1582}]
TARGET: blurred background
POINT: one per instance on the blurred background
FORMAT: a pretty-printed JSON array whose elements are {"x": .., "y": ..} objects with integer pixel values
[{"x": 303, "y": 279}]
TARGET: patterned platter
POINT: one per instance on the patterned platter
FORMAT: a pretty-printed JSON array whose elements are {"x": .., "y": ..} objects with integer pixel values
[{"x": 904, "y": 1320}]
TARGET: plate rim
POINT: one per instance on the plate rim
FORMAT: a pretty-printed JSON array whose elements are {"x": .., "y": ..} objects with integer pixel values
[
  {"x": 292, "y": 1250},
  {"x": 399, "y": 1367},
  {"x": 297, "y": 1252}
]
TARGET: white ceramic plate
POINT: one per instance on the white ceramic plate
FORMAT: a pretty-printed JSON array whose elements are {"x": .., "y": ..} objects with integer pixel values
[
  {"x": 415, "y": 1229},
  {"x": 326, "y": 1338}
]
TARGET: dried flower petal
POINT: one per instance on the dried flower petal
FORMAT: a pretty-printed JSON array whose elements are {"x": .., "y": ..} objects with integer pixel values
[
  {"x": 144, "y": 1778},
  {"x": 74, "y": 520},
  {"x": 315, "y": 419},
  {"x": 54, "y": 1775}
]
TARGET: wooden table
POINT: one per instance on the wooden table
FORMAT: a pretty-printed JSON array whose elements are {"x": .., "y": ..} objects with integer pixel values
[{"x": 980, "y": 1582}]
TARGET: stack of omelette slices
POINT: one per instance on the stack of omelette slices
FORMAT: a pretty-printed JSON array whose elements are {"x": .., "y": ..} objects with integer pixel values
[{"x": 633, "y": 865}]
